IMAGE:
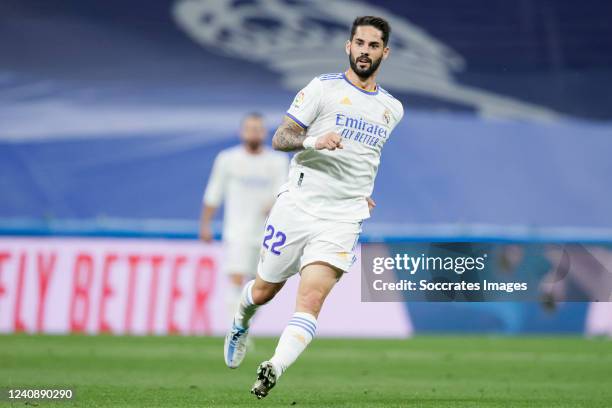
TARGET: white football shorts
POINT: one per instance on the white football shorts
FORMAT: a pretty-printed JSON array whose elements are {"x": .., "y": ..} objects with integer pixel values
[
  {"x": 293, "y": 239},
  {"x": 241, "y": 258}
]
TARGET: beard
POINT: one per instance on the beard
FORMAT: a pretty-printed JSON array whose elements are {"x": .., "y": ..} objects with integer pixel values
[
  {"x": 253, "y": 145},
  {"x": 367, "y": 72}
]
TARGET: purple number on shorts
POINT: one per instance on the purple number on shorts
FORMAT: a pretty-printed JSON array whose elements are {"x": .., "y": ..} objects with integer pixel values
[
  {"x": 281, "y": 241},
  {"x": 270, "y": 229}
]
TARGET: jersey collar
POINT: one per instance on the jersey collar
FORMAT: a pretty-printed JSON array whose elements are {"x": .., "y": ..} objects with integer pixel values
[{"x": 374, "y": 92}]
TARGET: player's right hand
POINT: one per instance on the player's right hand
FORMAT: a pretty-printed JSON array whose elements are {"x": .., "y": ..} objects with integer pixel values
[
  {"x": 329, "y": 141},
  {"x": 206, "y": 234}
]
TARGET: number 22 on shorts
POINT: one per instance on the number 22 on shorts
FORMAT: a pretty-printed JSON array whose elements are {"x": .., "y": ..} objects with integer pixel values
[{"x": 277, "y": 242}]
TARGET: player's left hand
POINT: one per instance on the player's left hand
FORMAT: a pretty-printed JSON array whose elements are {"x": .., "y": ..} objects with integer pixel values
[
  {"x": 371, "y": 203},
  {"x": 329, "y": 141}
]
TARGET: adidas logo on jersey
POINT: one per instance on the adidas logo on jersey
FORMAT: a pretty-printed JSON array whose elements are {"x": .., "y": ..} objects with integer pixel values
[{"x": 346, "y": 101}]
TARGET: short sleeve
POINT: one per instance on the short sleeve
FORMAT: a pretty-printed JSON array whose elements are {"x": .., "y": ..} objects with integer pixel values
[
  {"x": 306, "y": 105},
  {"x": 216, "y": 183},
  {"x": 399, "y": 114}
]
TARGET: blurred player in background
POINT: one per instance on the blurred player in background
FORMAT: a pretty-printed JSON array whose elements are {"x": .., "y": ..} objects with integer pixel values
[
  {"x": 247, "y": 177},
  {"x": 574, "y": 270},
  {"x": 338, "y": 124}
]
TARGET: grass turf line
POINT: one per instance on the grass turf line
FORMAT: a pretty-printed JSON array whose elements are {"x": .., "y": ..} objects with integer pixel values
[{"x": 427, "y": 371}]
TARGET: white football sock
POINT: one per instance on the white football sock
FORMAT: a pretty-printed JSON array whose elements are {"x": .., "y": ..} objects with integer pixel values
[
  {"x": 296, "y": 336},
  {"x": 246, "y": 307},
  {"x": 232, "y": 299}
]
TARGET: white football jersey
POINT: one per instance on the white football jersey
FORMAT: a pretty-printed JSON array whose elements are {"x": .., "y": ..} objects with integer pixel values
[
  {"x": 335, "y": 184},
  {"x": 248, "y": 183}
]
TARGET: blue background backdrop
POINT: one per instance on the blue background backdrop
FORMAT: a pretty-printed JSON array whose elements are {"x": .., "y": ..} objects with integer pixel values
[{"x": 111, "y": 114}]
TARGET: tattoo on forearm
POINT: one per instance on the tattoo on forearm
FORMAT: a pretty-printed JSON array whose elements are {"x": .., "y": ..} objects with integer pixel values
[{"x": 289, "y": 136}]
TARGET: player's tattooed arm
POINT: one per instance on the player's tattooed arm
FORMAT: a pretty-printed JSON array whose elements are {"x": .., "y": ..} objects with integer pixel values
[{"x": 289, "y": 136}]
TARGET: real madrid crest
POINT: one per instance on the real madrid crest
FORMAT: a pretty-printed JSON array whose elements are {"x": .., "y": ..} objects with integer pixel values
[{"x": 387, "y": 116}]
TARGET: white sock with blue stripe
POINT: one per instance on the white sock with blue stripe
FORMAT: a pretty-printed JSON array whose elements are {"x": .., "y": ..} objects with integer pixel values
[
  {"x": 246, "y": 307},
  {"x": 296, "y": 336}
]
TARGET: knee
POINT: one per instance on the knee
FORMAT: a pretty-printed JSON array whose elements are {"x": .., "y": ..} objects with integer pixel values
[
  {"x": 263, "y": 294},
  {"x": 310, "y": 302},
  {"x": 236, "y": 280}
]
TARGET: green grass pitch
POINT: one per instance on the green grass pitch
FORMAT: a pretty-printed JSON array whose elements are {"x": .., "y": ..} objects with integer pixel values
[{"x": 428, "y": 371}]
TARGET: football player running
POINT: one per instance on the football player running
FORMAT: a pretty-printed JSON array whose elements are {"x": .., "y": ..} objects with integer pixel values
[{"x": 338, "y": 125}]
